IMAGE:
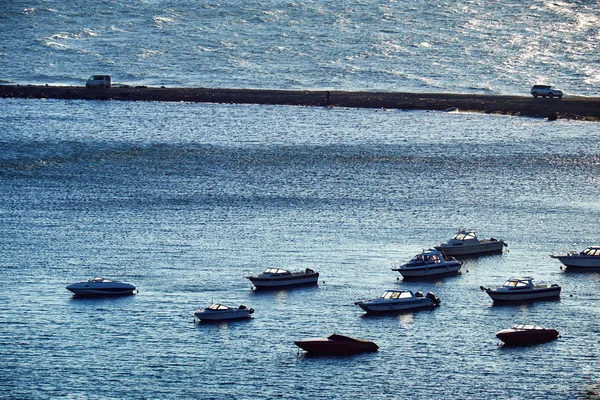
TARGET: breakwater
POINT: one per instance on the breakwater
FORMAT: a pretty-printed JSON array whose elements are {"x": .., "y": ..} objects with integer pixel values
[{"x": 581, "y": 108}]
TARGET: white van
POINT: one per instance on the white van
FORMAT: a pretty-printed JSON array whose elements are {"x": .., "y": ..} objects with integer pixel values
[{"x": 98, "y": 81}]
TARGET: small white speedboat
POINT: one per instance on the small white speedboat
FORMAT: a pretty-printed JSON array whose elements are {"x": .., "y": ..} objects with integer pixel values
[
  {"x": 399, "y": 300},
  {"x": 522, "y": 289},
  {"x": 429, "y": 263},
  {"x": 101, "y": 287},
  {"x": 587, "y": 258},
  {"x": 278, "y": 277},
  {"x": 466, "y": 243},
  {"x": 220, "y": 312}
]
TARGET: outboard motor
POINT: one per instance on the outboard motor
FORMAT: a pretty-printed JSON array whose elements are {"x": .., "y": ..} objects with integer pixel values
[{"x": 432, "y": 297}]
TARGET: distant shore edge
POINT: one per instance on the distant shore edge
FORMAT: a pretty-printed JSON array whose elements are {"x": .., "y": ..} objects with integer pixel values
[{"x": 578, "y": 108}]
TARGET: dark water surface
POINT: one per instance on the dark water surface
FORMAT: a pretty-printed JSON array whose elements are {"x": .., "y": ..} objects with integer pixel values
[{"x": 185, "y": 200}]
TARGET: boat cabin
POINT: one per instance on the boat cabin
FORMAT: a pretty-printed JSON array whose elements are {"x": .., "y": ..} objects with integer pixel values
[
  {"x": 593, "y": 251},
  {"x": 518, "y": 283},
  {"x": 427, "y": 257}
]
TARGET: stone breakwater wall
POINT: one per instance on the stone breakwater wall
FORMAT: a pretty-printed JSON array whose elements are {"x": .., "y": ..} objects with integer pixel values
[{"x": 580, "y": 108}]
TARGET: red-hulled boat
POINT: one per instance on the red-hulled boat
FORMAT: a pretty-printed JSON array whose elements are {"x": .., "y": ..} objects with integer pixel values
[
  {"x": 521, "y": 334},
  {"x": 336, "y": 344}
]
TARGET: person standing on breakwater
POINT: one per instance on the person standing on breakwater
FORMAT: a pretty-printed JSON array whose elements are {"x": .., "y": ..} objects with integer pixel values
[{"x": 327, "y": 96}]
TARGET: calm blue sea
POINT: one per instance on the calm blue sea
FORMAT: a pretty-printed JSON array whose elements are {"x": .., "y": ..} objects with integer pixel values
[
  {"x": 186, "y": 200},
  {"x": 474, "y": 46}
]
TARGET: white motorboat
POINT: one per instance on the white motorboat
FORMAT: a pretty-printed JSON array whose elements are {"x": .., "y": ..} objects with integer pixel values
[
  {"x": 466, "y": 243},
  {"x": 277, "y": 277},
  {"x": 522, "y": 289},
  {"x": 399, "y": 300},
  {"x": 587, "y": 258},
  {"x": 220, "y": 312},
  {"x": 101, "y": 287},
  {"x": 429, "y": 263}
]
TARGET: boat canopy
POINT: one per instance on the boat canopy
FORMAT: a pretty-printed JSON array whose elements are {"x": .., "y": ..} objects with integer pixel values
[{"x": 396, "y": 294}]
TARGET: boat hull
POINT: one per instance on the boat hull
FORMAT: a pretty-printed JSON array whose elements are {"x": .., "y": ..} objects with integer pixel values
[
  {"x": 484, "y": 247},
  {"x": 224, "y": 316},
  {"x": 429, "y": 271},
  {"x": 525, "y": 294},
  {"x": 284, "y": 281},
  {"x": 579, "y": 261},
  {"x": 333, "y": 347},
  {"x": 512, "y": 337},
  {"x": 81, "y": 290}
]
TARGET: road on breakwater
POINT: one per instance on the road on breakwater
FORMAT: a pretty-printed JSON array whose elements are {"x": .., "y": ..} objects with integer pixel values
[{"x": 580, "y": 108}]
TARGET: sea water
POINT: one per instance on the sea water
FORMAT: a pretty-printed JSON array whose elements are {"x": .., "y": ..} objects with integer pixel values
[
  {"x": 474, "y": 46},
  {"x": 187, "y": 200}
]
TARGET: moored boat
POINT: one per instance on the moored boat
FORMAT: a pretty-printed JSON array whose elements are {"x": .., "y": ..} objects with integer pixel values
[
  {"x": 522, "y": 289},
  {"x": 429, "y": 263},
  {"x": 278, "y": 277},
  {"x": 587, "y": 258},
  {"x": 336, "y": 345},
  {"x": 399, "y": 300},
  {"x": 99, "y": 286},
  {"x": 220, "y": 312},
  {"x": 522, "y": 334},
  {"x": 466, "y": 243}
]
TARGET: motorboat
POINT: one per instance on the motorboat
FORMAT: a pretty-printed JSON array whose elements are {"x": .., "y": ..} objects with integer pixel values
[
  {"x": 399, "y": 300},
  {"x": 220, "y": 312},
  {"x": 587, "y": 258},
  {"x": 277, "y": 277},
  {"x": 427, "y": 264},
  {"x": 99, "y": 286},
  {"x": 522, "y": 289},
  {"x": 336, "y": 344},
  {"x": 466, "y": 243},
  {"x": 522, "y": 334}
]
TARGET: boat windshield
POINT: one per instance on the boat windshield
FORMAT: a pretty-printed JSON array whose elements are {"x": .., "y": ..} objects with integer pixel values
[
  {"x": 523, "y": 326},
  {"x": 217, "y": 307},
  {"x": 591, "y": 251},
  {"x": 426, "y": 257},
  {"x": 465, "y": 235},
  {"x": 396, "y": 294},
  {"x": 278, "y": 271},
  {"x": 516, "y": 283}
]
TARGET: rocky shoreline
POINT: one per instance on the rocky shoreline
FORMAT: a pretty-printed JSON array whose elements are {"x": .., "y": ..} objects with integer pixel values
[{"x": 579, "y": 108}]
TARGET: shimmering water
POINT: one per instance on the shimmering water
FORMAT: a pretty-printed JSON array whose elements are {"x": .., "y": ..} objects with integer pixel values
[
  {"x": 473, "y": 46},
  {"x": 185, "y": 200}
]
